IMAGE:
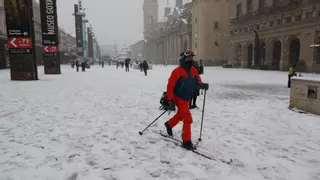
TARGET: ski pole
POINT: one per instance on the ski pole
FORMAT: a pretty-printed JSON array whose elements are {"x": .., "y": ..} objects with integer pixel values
[
  {"x": 204, "y": 103},
  {"x": 140, "y": 132}
]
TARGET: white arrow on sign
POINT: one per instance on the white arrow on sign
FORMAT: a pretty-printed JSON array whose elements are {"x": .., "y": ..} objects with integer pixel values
[
  {"x": 12, "y": 42},
  {"x": 46, "y": 48}
]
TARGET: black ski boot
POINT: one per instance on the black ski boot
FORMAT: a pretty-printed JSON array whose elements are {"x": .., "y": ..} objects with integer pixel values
[
  {"x": 193, "y": 107},
  {"x": 169, "y": 129},
  {"x": 188, "y": 145}
]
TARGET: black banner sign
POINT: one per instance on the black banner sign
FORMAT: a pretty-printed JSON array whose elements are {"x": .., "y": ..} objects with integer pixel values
[
  {"x": 18, "y": 20},
  {"x": 49, "y": 23},
  {"x": 19, "y": 15},
  {"x": 50, "y": 36},
  {"x": 79, "y": 34},
  {"x": 90, "y": 43}
]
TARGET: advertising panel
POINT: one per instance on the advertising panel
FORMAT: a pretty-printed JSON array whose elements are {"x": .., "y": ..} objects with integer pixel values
[
  {"x": 18, "y": 19},
  {"x": 79, "y": 31},
  {"x": 49, "y": 26}
]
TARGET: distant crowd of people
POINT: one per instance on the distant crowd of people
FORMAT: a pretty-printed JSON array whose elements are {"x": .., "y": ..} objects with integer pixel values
[
  {"x": 80, "y": 62},
  {"x": 143, "y": 66}
]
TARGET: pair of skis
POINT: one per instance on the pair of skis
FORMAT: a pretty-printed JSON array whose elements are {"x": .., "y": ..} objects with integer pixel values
[
  {"x": 179, "y": 142},
  {"x": 176, "y": 141}
]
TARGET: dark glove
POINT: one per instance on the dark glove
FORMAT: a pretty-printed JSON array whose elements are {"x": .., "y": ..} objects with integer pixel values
[
  {"x": 171, "y": 106},
  {"x": 204, "y": 86}
]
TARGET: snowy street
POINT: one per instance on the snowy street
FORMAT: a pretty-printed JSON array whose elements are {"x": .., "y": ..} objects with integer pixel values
[{"x": 84, "y": 126}]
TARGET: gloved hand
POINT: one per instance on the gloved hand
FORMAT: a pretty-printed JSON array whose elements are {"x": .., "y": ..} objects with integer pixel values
[
  {"x": 204, "y": 86},
  {"x": 171, "y": 106}
]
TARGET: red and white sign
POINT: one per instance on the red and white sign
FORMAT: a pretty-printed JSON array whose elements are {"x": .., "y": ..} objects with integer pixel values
[
  {"x": 18, "y": 42},
  {"x": 50, "y": 49}
]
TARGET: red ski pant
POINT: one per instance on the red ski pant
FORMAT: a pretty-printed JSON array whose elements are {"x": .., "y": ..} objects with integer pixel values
[{"x": 183, "y": 115}]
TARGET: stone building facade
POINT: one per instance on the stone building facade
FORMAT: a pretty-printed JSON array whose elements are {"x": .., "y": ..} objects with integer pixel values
[
  {"x": 275, "y": 34},
  {"x": 210, "y": 20},
  {"x": 138, "y": 51},
  {"x": 168, "y": 37},
  {"x": 67, "y": 46}
]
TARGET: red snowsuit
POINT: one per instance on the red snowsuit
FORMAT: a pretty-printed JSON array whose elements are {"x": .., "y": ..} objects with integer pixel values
[{"x": 182, "y": 97}]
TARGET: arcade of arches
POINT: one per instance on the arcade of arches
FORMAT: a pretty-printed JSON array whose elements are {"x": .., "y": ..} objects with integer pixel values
[{"x": 278, "y": 54}]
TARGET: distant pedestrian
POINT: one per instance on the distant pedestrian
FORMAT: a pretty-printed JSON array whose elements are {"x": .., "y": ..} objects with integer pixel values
[
  {"x": 141, "y": 66},
  {"x": 72, "y": 64},
  {"x": 127, "y": 63},
  {"x": 83, "y": 65},
  {"x": 193, "y": 101},
  {"x": 145, "y": 67},
  {"x": 291, "y": 73},
  {"x": 78, "y": 63},
  {"x": 201, "y": 67}
]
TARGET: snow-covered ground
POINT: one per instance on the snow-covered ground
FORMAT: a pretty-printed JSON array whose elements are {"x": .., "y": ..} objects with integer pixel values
[{"x": 84, "y": 126}]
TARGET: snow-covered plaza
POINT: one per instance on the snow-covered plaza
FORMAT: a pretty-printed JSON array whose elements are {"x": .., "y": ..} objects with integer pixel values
[{"x": 84, "y": 126}]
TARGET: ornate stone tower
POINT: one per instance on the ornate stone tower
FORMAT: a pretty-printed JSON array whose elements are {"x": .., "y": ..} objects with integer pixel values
[{"x": 150, "y": 15}]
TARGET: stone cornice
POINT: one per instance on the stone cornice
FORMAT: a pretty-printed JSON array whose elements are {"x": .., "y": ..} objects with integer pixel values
[
  {"x": 269, "y": 11},
  {"x": 311, "y": 23}
]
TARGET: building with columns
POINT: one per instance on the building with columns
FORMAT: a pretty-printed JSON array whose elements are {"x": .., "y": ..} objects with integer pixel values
[
  {"x": 168, "y": 37},
  {"x": 275, "y": 34},
  {"x": 210, "y": 20}
]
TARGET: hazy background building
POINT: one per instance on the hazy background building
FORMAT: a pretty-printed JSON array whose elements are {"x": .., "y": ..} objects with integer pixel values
[
  {"x": 209, "y": 31},
  {"x": 269, "y": 34},
  {"x": 168, "y": 37},
  {"x": 67, "y": 46},
  {"x": 138, "y": 50},
  {"x": 109, "y": 50}
]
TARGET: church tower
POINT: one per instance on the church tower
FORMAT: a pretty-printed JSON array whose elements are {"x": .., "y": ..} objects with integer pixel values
[{"x": 150, "y": 15}]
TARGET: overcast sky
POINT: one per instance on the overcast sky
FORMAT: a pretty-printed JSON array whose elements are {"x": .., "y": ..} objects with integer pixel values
[{"x": 112, "y": 20}]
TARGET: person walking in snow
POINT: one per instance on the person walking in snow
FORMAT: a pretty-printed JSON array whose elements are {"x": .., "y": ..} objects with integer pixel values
[
  {"x": 193, "y": 101},
  {"x": 78, "y": 64},
  {"x": 83, "y": 65},
  {"x": 180, "y": 89},
  {"x": 127, "y": 63},
  {"x": 145, "y": 67},
  {"x": 291, "y": 73},
  {"x": 141, "y": 66},
  {"x": 201, "y": 67}
]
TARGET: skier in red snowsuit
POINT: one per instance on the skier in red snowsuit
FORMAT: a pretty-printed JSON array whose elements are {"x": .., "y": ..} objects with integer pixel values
[{"x": 182, "y": 84}]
